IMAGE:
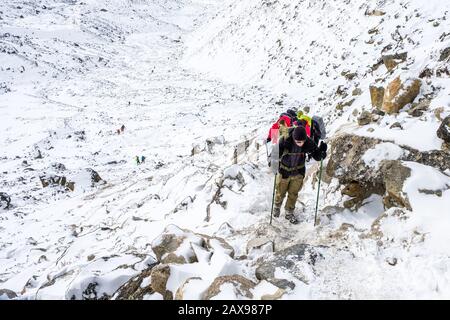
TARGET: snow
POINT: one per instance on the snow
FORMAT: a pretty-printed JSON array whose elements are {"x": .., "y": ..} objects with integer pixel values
[
  {"x": 382, "y": 151},
  {"x": 417, "y": 134},
  {"x": 192, "y": 81}
]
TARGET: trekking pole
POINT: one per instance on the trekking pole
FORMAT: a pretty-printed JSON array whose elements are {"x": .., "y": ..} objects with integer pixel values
[
  {"x": 267, "y": 154},
  {"x": 273, "y": 197},
  {"x": 267, "y": 150},
  {"x": 318, "y": 189}
]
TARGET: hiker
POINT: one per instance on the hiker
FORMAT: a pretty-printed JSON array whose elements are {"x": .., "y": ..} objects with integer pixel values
[
  {"x": 142, "y": 159},
  {"x": 291, "y": 171},
  {"x": 137, "y": 160},
  {"x": 279, "y": 128},
  {"x": 122, "y": 128},
  {"x": 312, "y": 125}
]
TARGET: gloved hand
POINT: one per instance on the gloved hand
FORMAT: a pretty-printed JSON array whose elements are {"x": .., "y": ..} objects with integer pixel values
[
  {"x": 323, "y": 155},
  {"x": 323, "y": 146},
  {"x": 268, "y": 140}
]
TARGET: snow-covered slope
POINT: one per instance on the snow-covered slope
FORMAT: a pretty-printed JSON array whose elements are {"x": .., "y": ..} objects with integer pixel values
[
  {"x": 325, "y": 56},
  {"x": 196, "y": 84},
  {"x": 318, "y": 53}
]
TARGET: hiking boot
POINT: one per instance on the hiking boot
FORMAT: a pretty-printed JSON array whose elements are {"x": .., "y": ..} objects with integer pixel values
[
  {"x": 291, "y": 217},
  {"x": 276, "y": 212}
]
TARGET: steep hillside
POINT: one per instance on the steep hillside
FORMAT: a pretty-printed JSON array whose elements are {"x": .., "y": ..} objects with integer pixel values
[{"x": 193, "y": 87}]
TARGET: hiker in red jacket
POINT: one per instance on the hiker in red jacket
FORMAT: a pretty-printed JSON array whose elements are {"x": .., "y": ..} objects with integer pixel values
[{"x": 279, "y": 128}]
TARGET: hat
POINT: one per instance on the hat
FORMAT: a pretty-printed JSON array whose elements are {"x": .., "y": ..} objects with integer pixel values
[
  {"x": 291, "y": 113},
  {"x": 299, "y": 134}
]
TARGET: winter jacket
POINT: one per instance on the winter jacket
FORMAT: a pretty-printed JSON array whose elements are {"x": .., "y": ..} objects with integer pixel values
[{"x": 292, "y": 157}]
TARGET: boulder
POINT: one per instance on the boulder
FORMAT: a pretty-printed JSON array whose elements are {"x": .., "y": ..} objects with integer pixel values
[
  {"x": 342, "y": 105},
  {"x": 6, "y": 199},
  {"x": 288, "y": 259},
  {"x": 376, "y": 96},
  {"x": 241, "y": 286},
  {"x": 7, "y": 294},
  {"x": 159, "y": 277},
  {"x": 347, "y": 163},
  {"x": 394, "y": 176},
  {"x": 357, "y": 92},
  {"x": 365, "y": 118},
  {"x": 54, "y": 180},
  {"x": 277, "y": 295},
  {"x": 396, "y": 125},
  {"x": 417, "y": 109},
  {"x": 445, "y": 53},
  {"x": 58, "y": 166},
  {"x": 398, "y": 94},
  {"x": 135, "y": 288},
  {"x": 176, "y": 245},
  {"x": 392, "y": 60},
  {"x": 173, "y": 245},
  {"x": 180, "y": 294},
  {"x": 375, "y": 12},
  {"x": 357, "y": 193},
  {"x": 95, "y": 177},
  {"x": 443, "y": 131},
  {"x": 260, "y": 244},
  {"x": 217, "y": 243}
]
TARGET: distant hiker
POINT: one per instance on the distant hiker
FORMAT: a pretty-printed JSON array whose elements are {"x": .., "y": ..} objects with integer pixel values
[
  {"x": 142, "y": 159},
  {"x": 289, "y": 179},
  {"x": 137, "y": 160},
  {"x": 279, "y": 128},
  {"x": 122, "y": 128},
  {"x": 118, "y": 131}
]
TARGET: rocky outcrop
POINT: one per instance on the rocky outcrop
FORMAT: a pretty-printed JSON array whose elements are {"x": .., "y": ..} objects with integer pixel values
[
  {"x": 346, "y": 163},
  {"x": 375, "y": 12},
  {"x": 261, "y": 245},
  {"x": 394, "y": 176},
  {"x": 55, "y": 180},
  {"x": 443, "y": 131},
  {"x": 52, "y": 179},
  {"x": 392, "y": 60},
  {"x": 444, "y": 54},
  {"x": 288, "y": 259},
  {"x": 417, "y": 109},
  {"x": 7, "y": 294},
  {"x": 135, "y": 289},
  {"x": 398, "y": 94},
  {"x": 168, "y": 246},
  {"x": 159, "y": 277},
  {"x": 95, "y": 177},
  {"x": 365, "y": 118},
  {"x": 176, "y": 245},
  {"x": 241, "y": 285},
  {"x": 275, "y": 296},
  {"x": 180, "y": 294},
  {"x": 376, "y": 96},
  {"x": 5, "y": 199}
]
